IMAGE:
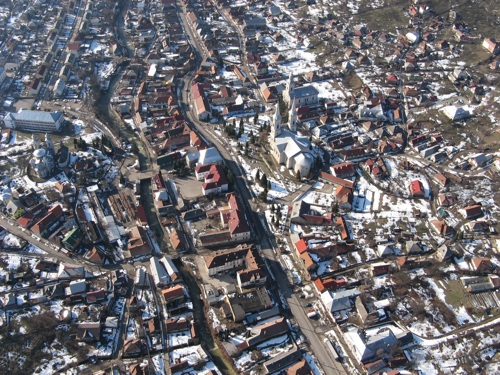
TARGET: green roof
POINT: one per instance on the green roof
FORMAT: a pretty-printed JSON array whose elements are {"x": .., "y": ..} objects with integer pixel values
[{"x": 73, "y": 237}]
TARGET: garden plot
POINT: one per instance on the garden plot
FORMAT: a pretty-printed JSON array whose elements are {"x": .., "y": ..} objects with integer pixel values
[
  {"x": 455, "y": 355},
  {"x": 60, "y": 359}
]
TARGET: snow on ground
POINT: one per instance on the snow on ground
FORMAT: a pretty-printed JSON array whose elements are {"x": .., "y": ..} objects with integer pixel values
[
  {"x": 318, "y": 198},
  {"x": 213, "y": 317},
  {"x": 12, "y": 241},
  {"x": 192, "y": 354},
  {"x": 60, "y": 359}
]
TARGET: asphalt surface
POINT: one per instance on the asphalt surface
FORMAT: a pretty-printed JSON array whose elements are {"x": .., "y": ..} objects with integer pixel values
[
  {"x": 323, "y": 358},
  {"x": 51, "y": 249}
]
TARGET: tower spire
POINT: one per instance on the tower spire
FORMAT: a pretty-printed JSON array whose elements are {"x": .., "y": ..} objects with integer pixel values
[
  {"x": 276, "y": 128},
  {"x": 293, "y": 117}
]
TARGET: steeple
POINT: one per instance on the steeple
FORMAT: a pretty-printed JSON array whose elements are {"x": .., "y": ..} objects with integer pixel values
[
  {"x": 293, "y": 117},
  {"x": 290, "y": 88},
  {"x": 36, "y": 141},
  {"x": 276, "y": 128},
  {"x": 48, "y": 142}
]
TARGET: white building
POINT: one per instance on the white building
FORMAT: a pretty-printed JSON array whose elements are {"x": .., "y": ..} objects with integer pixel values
[
  {"x": 34, "y": 121},
  {"x": 59, "y": 87},
  {"x": 300, "y": 96},
  {"x": 290, "y": 149}
]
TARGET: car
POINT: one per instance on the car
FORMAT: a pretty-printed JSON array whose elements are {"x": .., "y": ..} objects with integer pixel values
[
  {"x": 308, "y": 305},
  {"x": 302, "y": 296}
]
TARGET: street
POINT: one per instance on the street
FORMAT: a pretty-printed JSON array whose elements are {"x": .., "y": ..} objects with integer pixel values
[{"x": 324, "y": 359}]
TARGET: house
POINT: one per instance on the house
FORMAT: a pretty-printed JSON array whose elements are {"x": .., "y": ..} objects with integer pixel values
[
  {"x": 378, "y": 269},
  {"x": 300, "y": 368},
  {"x": 442, "y": 228},
  {"x": 49, "y": 222},
  {"x": 282, "y": 360},
  {"x": 138, "y": 242},
  {"x": 447, "y": 200},
  {"x": 178, "y": 240},
  {"x": 88, "y": 331},
  {"x": 477, "y": 226},
  {"x": 491, "y": 45},
  {"x": 73, "y": 238},
  {"x": 336, "y": 181},
  {"x": 456, "y": 113},
  {"x": 132, "y": 348},
  {"x": 173, "y": 294},
  {"x": 472, "y": 212},
  {"x": 479, "y": 160},
  {"x": 441, "y": 179},
  {"x": 304, "y": 215},
  {"x": 264, "y": 332},
  {"x": 417, "y": 189},
  {"x": 215, "y": 181},
  {"x": 414, "y": 247},
  {"x": 482, "y": 264},
  {"x": 15, "y": 208},
  {"x": 95, "y": 255},
  {"x": 444, "y": 253},
  {"x": 344, "y": 170}
]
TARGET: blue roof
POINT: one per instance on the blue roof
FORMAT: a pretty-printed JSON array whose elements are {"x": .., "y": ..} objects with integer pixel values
[
  {"x": 305, "y": 91},
  {"x": 39, "y": 116}
]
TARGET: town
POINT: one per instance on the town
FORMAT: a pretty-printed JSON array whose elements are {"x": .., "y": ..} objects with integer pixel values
[{"x": 262, "y": 187}]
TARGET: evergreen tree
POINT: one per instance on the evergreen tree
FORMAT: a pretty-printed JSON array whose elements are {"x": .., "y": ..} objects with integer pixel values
[
  {"x": 263, "y": 181},
  {"x": 257, "y": 176},
  {"x": 242, "y": 126},
  {"x": 256, "y": 118}
]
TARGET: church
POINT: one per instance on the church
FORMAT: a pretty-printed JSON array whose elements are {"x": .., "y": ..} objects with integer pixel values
[{"x": 288, "y": 148}]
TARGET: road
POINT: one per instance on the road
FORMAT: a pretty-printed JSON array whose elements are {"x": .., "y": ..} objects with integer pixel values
[
  {"x": 50, "y": 249},
  {"x": 324, "y": 359}
]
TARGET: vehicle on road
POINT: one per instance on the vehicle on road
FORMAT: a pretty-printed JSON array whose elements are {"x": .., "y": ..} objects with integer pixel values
[
  {"x": 312, "y": 314},
  {"x": 308, "y": 304}
]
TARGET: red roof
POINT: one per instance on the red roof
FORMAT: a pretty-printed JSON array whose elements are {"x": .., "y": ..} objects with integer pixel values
[
  {"x": 416, "y": 188},
  {"x": 44, "y": 223},
  {"x": 237, "y": 222},
  {"x": 173, "y": 292},
  {"x": 141, "y": 214},
  {"x": 301, "y": 246}
]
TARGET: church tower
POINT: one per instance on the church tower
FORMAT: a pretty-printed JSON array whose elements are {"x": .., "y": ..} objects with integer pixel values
[
  {"x": 276, "y": 128},
  {"x": 292, "y": 115},
  {"x": 48, "y": 142},
  {"x": 36, "y": 141},
  {"x": 289, "y": 89}
]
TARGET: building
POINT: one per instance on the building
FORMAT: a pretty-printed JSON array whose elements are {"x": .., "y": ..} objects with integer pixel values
[
  {"x": 138, "y": 243},
  {"x": 244, "y": 259},
  {"x": 42, "y": 161},
  {"x": 300, "y": 96},
  {"x": 491, "y": 45},
  {"x": 290, "y": 149},
  {"x": 215, "y": 181},
  {"x": 417, "y": 189},
  {"x": 344, "y": 170},
  {"x": 235, "y": 226},
  {"x": 59, "y": 87},
  {"x": 49, "y": 222},
  {"x": 34, "y": 121},
  {"x": 471, "y": 212}
]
